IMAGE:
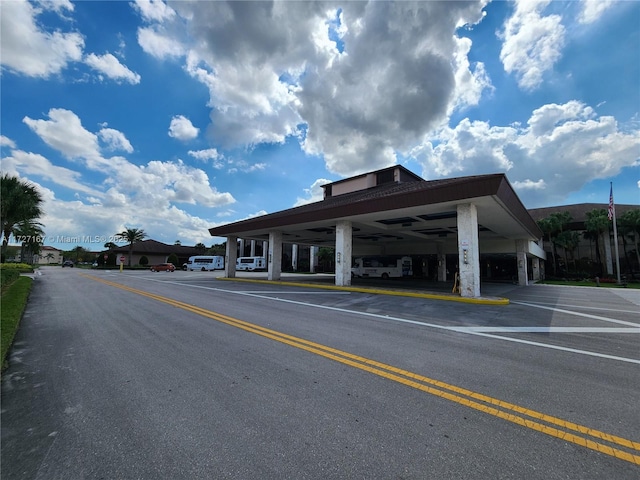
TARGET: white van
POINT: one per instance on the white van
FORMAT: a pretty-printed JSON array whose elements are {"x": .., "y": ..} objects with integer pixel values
[
  {"x": 205, "y": 263},
  {"x": 251, "y": 264},
  {"x": 382, "y": 266}
]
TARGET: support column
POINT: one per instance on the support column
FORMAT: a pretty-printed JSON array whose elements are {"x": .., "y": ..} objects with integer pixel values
[
  {"x": 230, "y": 257},
  {"x": 274, "y": 259},
  {"x": 468, "y": 250},
  {"x": 442, "y": 263},
  {"x": 344, "y": 246},
  {"x": 313, "y": 258},
  {"x": 241, "y": 248},
  {"x": 294, "y": 257},
  {"x": 521, "y": 258},
  {"x": 265, "y": 249},
  {"x": 535, "y": 265},
  {"x": 253, "y": 248}
]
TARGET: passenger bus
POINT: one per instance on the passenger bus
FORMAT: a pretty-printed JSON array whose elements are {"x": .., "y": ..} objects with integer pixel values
[
  {"x": 251, "y": 264},
  {"x": 205, "y": 263},
  {"x": 382, "y": 266}
]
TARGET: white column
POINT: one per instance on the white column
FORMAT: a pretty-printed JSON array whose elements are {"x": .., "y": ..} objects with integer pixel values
[
  {"x": 230, "y": 257},
  {"x": 313, "y": 258},
  {"x": 468, "y": 250},
  {"x": 241, "y": 248},
  {"x": 274, "y": 259},
  {"x": 265, "y": 249},
  {"x": 253, "y": 248},
  {"x": 294, "y": 257},
  {"x": 344, "y": 246},
  {"x": 535, "y": 265},
  {"x": 521, "y": 258}
]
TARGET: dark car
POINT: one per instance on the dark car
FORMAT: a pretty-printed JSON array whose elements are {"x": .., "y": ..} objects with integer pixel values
[
  {"x": 67, "y": 263},
  {"x": 163, "y": 267}
]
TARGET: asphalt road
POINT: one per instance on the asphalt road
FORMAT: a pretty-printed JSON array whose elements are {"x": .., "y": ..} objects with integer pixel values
[{"x": 180, "y": 375}]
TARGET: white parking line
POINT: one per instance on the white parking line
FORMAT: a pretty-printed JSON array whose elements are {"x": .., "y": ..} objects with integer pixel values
[{"x": 459, "y": 329}]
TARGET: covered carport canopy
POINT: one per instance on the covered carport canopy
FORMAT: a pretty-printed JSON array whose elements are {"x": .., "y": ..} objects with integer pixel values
[{"x": 405, "y": 216}]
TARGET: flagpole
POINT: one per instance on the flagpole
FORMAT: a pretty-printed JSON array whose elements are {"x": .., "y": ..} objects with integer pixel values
[{"x": 612, "y": 209}]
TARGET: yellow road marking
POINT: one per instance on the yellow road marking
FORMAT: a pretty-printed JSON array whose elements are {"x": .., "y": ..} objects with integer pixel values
[{"x": 425, "y": 384}]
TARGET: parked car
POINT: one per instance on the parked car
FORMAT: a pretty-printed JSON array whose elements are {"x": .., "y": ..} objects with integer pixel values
[
  {"x": 163, "y": 267},
  {"x": 67, "y": 263}
]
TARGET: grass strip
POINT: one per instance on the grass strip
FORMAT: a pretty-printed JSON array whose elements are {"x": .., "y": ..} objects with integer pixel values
[{"x": 12, "y": 304}]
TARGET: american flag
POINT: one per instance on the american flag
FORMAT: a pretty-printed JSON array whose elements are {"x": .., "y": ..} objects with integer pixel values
[{"x": 611, "y": 203}]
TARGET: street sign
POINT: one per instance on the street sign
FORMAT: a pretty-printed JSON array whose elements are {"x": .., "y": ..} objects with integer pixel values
[{"x": 122, "y": 259}]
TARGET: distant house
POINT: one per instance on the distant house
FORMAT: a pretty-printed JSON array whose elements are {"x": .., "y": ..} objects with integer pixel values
[
  {"x": 48, "y": 255},
  {"x": 156, "y": 252}
]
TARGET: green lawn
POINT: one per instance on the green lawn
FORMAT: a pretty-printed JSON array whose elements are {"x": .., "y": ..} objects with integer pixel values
[
  {"x": 12, "y": 304},
  {"x": 589, "y": 283}
]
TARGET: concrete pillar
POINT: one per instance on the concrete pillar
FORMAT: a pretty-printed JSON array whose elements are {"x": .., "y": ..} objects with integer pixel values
[
  {"x": 535, "y": 265},
  {"x": 241, "y": 248},
  {"x": 265, "y": 249},
  {"x": 253, "y": 248},
  {"x": 274, "y": 259},
  {"x": 442, "y": 263},
  {"x": 344, "y": 246},
  {"x": 468, "y": 250},
  {"x": 313, "y": 258},
  {"x": 521, "y": 259},
  {"x": 294, "y": 257},
  {"x": 230, "y": 257}
]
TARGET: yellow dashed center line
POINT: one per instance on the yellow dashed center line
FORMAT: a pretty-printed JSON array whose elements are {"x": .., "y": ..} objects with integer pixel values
[{"x": 507, "y": 411}]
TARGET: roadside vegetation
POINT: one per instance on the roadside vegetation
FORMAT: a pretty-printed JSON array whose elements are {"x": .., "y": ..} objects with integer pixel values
[{"x": 13, "y": 300}]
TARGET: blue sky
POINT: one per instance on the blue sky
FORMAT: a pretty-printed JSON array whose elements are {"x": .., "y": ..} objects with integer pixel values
[{"x": 176, "y": 117}]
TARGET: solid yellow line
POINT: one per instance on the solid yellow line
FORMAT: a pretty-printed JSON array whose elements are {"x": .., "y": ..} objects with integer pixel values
[
  {"x": 378, "y": 291},
  {"x": 392, "y": 373}
]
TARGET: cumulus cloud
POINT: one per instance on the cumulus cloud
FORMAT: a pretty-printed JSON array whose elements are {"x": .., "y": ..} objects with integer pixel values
[
  {"x": 115, "y": 140},
  {"x": 182, "y": 129},
  {"x": 592, "y": 10},
  {"x": 7, "y": 142},
  {"x": 30, "y": 51},
  {"x": 314, "y": 193},
  {"x": 567, "y": 145},
  {"x": 532, "y": 44},
  {"x": 148, "y": 194},
  {"x": 111, "y": 67},
  {"x": 366, "y": 78}
]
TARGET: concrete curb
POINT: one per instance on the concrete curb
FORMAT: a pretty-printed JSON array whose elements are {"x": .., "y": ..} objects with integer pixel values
[{"x": 377, "y": 291}]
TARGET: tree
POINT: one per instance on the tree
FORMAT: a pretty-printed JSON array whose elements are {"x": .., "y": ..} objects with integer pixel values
[
  {"x": 20, "y": 201},
  {"x": 218, "y": 249},
  {"x": 629, "y": 225},
  {"x": 326, "y": 256},
  {"x": 200, "y": 247},
  {"x": 31, "y": 234},
  {"x": 49, "y": 256},
  {"x": 132, "y": 235},
  {"x": 569, "y": 241},
  {"x": 597, "y": 223},
  {"x": 552, "y": 226},
  {"x": 173, "y": 258}
]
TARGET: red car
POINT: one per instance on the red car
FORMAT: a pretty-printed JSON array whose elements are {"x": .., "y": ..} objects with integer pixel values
[{"x": 163, "y": 267}]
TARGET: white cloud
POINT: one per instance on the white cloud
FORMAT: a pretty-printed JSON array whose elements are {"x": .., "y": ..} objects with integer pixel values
[
  {"x": 115, "y": 140},
  {"x": 181, "y": 128},
  {"x": 314, "y": 193},
  {"x": 158, "y": 44},
  {"x": 7, "y": 142},
  {"x": 592, "y": 10},
  {"x": 21, "y": 163},
  {"x": 532, "y": 43},
  {"x": 567, "y": 145},
  {"x": 154, "y": 10},
  {"x": 368, "y": 80},
  {"x": 111, "y": 67},
  {"x": 208, "y": 154},
  {"x": 27, "y": 50}
]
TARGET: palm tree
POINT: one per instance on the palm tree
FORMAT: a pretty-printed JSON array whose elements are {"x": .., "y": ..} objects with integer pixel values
[
  {"x": 201, "y": 247},
  {"x": 132, "y": 235},
  {"x": 629, "y": 224},
  {"x": 19, "y": 202},
  {"x": 597, "y": 223},
  {"x": 552, "y": 226},
  {"x": 31, "y": 235},
  {"x": 50, "y": 256}
]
